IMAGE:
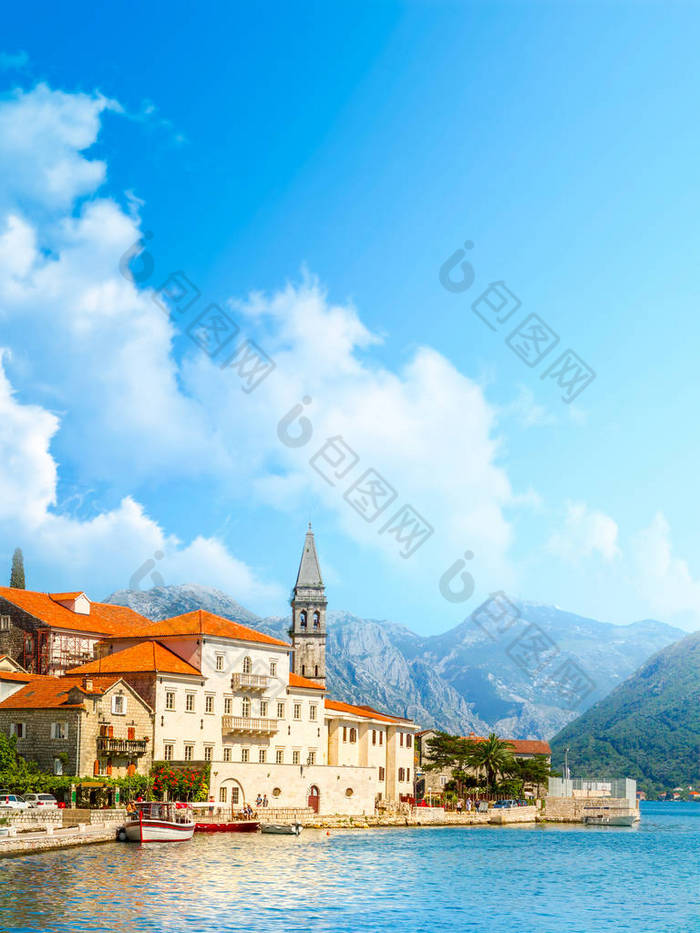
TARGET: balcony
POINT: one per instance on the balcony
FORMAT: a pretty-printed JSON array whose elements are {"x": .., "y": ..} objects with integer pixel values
[
  {"x": 250, "y": 681},
  {"x": 231, "y": 724},
  {"x": 114, "y": 746}
]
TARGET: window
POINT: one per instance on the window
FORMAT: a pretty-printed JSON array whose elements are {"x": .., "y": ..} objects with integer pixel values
[
  {"x": 273, "y": 668},
  {"x": 59, "y": 730},
  {"x": 119, "y": 705},
  {"x": 409, "y": 740},
  {"x": 103, "y": 767},
  {"x": 189, "y": 703},
  {"x": 374, "y": 736},
  {"x": 345, "y": 733},
  {"x": 245, "y": 755},
  {"x": 209, "y": 704},
  {"x": 234, "y": 795},
  {"x": 381, "y": 774},
  {"x": 400, "y": 738},
  {"x": 227, "y": 754},
  {"x": 262, "y": 755},
  {"x": 317, "y": 620},
  {"x": 263, "y": 708},
  {"x": 245, "y": 707},
  {"x": 19, "y": 729},
  {"x": 443, "y": 780},
  {"x": 279, "y": 756},
  {"x": 5, "y": 623},
  {"x": 311, "y": 760},
  {"x": 302, "y": 619},
  {"x": 312, "y": 713},
  {"x": 401, "y": 774},
  {"x": 297, "y": 710},
  {"x": 220, "y": 667},
  {"x": 280, "y": 710},
  {"x": 189, "y": 752},
  {"x": 353, "y": 735},
  {"x": 169, "y": 699},
  {"x": 168, "y": 752},
  {"x": 247, "y": 666},
  {"x": 381, "y": 737},
  {"x": 208, "y": 752},
  {"x": 228, "y": 705},
  {"x": 408, "y": 774},
  {"x": 295, "y": 756},
  {"x": 303, "y": 670},
  {"x": 57, "y": 766},
  {"x": 316, "y": 670},
  {"x": 223, "y": 794}
]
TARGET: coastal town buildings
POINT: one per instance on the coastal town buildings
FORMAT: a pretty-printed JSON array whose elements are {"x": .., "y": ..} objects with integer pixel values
[
  {"x": 435, "y": 781},
  {"x": 251, "y": 707}
]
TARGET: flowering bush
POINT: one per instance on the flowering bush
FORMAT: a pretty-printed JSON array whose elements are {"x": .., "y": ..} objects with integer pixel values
[{"x": 179, "y": 783}]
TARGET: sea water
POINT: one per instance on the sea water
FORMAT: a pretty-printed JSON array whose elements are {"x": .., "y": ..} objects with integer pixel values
[{"x": 520, "y": 878}]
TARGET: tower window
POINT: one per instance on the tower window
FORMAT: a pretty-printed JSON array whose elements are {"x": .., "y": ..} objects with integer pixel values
[
  {"x": 316, "y": 670},
  {"x": 302, "y": 618},
  {"x": 317, "y": 620}
]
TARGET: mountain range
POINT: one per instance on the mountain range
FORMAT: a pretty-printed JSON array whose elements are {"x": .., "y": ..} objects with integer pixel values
[
  {"x": 648, "y": 728},
  {"x": 505, "y": 676}
]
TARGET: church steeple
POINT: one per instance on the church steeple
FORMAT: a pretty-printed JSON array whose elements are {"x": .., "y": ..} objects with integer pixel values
[{"x": 308, "y": 631}]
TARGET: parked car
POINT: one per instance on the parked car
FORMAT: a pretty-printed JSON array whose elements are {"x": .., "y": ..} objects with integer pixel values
[
  {"x": 505, "y": 804},
  {"x": 12, "y": 802},
  {"x": 41, "y": 800}
]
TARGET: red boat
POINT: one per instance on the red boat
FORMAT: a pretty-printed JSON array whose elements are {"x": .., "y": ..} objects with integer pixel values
[{"x": 237, "y": 826}]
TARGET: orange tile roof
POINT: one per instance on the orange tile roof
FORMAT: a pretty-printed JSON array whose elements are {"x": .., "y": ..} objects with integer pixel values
[
  {"x": 45, "y": 692},
  {"x": 58, "y": 597},
  {"x": 519, "y": 746},
  {"x": 296, "y": 680},
  {"x": 146, "y": 656},
  {"x": 365, "y": 711},
  {"x": 103, "y": 618},
  {"x": 20, "y": 676},
  {"x": 201, "y": 622}
]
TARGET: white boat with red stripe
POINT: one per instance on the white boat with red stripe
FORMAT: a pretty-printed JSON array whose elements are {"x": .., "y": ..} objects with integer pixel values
[{"x": 160, "y": 822}]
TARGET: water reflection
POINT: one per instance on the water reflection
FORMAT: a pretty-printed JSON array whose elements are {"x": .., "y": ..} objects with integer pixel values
[{"x": 530, "y": 879}]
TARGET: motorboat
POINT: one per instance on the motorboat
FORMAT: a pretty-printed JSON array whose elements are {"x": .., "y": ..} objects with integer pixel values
[
  {"x": 282, "y": 829},
  {"x": 158, "y": 822},
  {"x": 623, "y": 819}
]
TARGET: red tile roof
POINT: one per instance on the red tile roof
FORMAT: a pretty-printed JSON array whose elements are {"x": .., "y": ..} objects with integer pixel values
[
  {"x": 45, "y": 692},
  {"x": 201, "y": 622},
  {"x": 146, "y": 656},
  {"x": 61, "y": 597},
  {"x": 365, "y": 711},
  {"x": 103, "y": 618},
  {"x": 520, "y": 746},
  {"x": 296, "y": 680},
  {"x": 20, "y": 676}
]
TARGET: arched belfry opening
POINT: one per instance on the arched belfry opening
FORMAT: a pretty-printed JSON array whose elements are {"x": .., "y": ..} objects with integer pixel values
[{"x": 308, "y": 631}]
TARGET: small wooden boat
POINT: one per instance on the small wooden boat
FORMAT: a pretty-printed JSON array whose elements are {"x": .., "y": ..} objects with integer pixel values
[
  {"x": 158, "y": 822},
  {"x": 282, "y": 829},
  {"x": 627, "y": 819}
]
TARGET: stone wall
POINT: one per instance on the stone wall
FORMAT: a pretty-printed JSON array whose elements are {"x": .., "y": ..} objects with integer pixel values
[
  {"x": 37, "y": 745},
  {"x": 574, "y": 809},
  {"x": 34, "y": 818}
]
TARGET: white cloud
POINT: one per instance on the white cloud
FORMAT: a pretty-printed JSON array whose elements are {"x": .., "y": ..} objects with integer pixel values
[{"x": 585, "y": 533}]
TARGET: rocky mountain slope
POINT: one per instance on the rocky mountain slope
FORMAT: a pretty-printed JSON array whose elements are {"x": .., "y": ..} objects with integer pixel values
[
  {"x": 648, "y": 728},
  {"x": 474, "y": 677}
]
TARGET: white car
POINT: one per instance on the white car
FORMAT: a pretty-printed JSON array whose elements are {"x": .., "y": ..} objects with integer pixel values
[
  {"x": 12, "y": 802},
  {"x": 41, "y": 800}
]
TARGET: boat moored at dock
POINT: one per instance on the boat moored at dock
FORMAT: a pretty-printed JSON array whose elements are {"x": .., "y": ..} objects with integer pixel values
[{"x": 158, "y": 822}]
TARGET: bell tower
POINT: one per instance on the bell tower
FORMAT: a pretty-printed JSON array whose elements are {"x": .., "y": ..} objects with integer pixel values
[{"x": 308, "y": 631}]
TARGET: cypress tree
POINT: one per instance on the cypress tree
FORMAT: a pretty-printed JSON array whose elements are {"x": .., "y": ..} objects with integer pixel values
[{"x": 17, "y": 574}]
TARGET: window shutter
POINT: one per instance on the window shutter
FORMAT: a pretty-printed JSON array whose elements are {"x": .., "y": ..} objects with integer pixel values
[
  {"x": 109, "y": 767},
  {"x": 96, "y": 768}
]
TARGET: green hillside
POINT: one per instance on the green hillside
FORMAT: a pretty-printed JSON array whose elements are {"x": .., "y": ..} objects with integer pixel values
[{"x": 648, "y": 728}]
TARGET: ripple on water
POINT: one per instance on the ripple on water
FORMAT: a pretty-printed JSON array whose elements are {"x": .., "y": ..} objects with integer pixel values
[{"x": 530, "y": 879}]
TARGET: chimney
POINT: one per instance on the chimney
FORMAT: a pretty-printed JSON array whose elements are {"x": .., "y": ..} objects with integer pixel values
[{"x": 87, "y": 684}]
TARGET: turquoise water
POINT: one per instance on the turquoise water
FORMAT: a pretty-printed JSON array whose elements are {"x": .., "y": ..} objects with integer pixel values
[{"x": 530, "y": 879}]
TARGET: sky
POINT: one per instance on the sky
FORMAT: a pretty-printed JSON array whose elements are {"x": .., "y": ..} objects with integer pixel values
[{"x": 423, "y": 274}]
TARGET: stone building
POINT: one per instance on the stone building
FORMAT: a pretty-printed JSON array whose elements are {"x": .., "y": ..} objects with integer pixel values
[
  {"x": 308, "y": 630},
  {"x": 435, "y": 781},
  {"x": 81, "y": 725}
]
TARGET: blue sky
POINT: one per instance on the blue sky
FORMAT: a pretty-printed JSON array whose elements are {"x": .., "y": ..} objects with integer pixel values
[{"x": 310, "y": 167}]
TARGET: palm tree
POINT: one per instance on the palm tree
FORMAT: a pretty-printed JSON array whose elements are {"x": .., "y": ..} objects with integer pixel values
[{"x": 494, "y": 756}]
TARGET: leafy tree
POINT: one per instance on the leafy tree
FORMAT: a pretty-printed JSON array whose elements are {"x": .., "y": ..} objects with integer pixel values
[
  {"x": 8, "y": 752},
  {"x": 493, "y": 756},
  {"x": 17, "y": 572}
]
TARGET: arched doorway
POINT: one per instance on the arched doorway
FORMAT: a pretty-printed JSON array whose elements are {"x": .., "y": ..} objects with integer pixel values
[
  {"x": 231, "y": 794},
  {"x": 314, "y": 798}
]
